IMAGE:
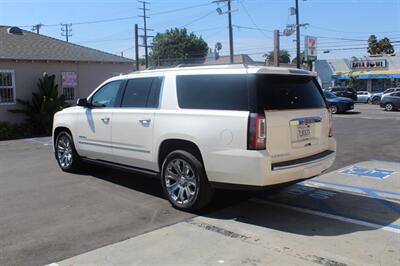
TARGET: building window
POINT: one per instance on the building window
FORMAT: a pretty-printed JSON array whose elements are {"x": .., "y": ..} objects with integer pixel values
[
  {"x": 7, "y": 87},
  {"x": 68, "y": 93}
]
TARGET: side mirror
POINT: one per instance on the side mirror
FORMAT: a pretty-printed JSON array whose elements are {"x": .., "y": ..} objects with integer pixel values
[{"x": 83, "y": 102}]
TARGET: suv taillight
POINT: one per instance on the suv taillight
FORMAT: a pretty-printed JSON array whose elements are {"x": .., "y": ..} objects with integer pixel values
[{"x": 256, "y": 134}]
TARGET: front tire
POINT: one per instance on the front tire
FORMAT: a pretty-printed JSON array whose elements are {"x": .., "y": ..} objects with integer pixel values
[
  {"x": 65, "y": 152},
  {"x": 185, "y": 182},
  {"x": 334, "y": 109},
  {"x": 389, "y": 107}
]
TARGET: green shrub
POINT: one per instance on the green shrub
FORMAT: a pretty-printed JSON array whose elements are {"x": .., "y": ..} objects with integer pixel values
[
  {"x": 44, "y": 104},
  {"x": 14, "y": 131}
]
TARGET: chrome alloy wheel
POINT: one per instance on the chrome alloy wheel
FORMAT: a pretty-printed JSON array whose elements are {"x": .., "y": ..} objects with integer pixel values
[
  {"x": 180, "y": 181},
  {"x": 64, "y": 151}
]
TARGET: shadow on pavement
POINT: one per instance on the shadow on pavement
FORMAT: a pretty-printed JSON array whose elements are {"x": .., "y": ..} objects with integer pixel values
[{"x": 244, "y": 207}]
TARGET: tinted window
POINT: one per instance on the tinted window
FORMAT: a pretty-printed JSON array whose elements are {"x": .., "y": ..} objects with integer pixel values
[
  {"x": 218, "y": 92},
  {"x": 397, "y": 94},
  {"x": 154, "y": 98},
  {"x": 279, "y": 92},
  {"x": 107, "y": 95},
  {"x": 137, "y": 92}
]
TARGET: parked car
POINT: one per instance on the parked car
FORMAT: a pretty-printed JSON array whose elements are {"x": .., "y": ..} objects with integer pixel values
[
  {"x": 376, "y": 97},
  {"x": 202, "y": 128},
  {"x": 338, "y": 104},
  {"x": 390, "y": 90},
  {"x": 391, "y": 101},
  {"x": 345, "y": 92},
  {"x": 363, "y": 96}
]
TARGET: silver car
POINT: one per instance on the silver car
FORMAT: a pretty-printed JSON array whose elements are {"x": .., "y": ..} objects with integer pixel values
[{"x": 363, "y": 96}]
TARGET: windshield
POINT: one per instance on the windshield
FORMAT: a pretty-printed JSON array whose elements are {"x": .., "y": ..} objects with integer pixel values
[{"x": 329, "y": 95}]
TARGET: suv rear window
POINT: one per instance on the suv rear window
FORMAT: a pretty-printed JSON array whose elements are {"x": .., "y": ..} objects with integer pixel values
[
  {"x": 215, "y": 92},
  {"x": 277, "y": 92}
]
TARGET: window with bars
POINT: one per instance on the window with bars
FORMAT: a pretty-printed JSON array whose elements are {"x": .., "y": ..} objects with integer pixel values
[
  {"x": 68, "y": 93},
  {"x": 7, "y": 87}
]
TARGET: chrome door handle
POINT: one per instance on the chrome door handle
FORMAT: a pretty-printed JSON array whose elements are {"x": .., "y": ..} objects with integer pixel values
[
  {"x": 145, "y": 122},
  {"x": 105, "y": 120}
]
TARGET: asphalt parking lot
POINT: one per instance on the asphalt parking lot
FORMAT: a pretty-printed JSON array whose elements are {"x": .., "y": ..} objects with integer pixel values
[{"x": 349, "y": 216}]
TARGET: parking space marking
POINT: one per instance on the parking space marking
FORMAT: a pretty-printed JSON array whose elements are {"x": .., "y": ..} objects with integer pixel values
[
  {"x": 373, "y": 193},
  {"x": 38, "y": 140},
  {"x": 390, "y": 227},
  {"x": 358, "y": 188},
  {"x": 375, "y": 173}
]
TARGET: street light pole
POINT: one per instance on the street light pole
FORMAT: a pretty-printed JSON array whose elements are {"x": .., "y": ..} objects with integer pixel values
[
  {"x": 297, "y": 35},
  {"x": 230, "y": 31}
]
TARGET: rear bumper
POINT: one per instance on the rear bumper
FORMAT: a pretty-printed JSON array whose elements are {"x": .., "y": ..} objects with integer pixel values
[{"x": 254, "y": 169}]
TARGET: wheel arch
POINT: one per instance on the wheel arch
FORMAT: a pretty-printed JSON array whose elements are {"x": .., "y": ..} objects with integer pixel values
[
  {"x": 170, "y": 144},
  {"x": 57, "y": 130}
]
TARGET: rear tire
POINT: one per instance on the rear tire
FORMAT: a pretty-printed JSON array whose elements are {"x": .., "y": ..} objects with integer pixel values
[
  {"x": 184, "y": 181},
  {"x": 65, "y": 152}
]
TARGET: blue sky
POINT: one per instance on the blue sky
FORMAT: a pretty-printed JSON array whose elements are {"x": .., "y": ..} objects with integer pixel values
[{"x": 338, "y": 24}]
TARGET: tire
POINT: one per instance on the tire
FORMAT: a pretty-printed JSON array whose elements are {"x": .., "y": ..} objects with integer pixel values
[
  {"x": 334, "y": 109},
  {"x": 65, "y": 152},
  {"x": 375, "y": 100},
  {"x": 389, "y": 107},
  {"x": 190, "y": 191}
]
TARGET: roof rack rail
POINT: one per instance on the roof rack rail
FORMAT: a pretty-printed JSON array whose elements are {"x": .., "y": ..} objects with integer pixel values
[{"x": 189, "y": 65}]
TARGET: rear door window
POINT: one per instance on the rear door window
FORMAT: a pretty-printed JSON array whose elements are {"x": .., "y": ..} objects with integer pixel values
[
  {"x": 215, "y": 92},
  {"x": 142, "y": 93},
  {"x": 278, "y": 92}
]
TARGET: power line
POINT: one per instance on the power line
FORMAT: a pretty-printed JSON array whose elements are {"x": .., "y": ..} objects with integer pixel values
[
  {"x": 199, "y": 18},
  {"x": 252, "y": 20}
]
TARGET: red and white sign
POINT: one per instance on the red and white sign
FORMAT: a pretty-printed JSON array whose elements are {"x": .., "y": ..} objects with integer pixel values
[
  {"x": 69, "y": 79},
  {"x": 310, "y": 48}
]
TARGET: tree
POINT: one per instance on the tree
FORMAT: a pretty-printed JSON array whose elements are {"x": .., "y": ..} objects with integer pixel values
[
  {"x": 385, "y": 46},
  {"x": 176, "y": 46},
  {"x": 284, "y": 57},
  {"x": 373, "y": 45},
  {"x": 382, "y": 46},
  {"x": 40, "y": 111},
  {"x": 302, "y": 59},
  {"x": 353, "y": 82}
]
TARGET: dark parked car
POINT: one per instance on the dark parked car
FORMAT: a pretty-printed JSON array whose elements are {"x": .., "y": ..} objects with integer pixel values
[
  {"x": 391, "y": 102},
  {"x": 338, "y": 104},
  {"x": 345, "y": 92}
]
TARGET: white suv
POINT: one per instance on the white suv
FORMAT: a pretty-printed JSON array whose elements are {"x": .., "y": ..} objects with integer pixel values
[{"x": 200, "y": 128}]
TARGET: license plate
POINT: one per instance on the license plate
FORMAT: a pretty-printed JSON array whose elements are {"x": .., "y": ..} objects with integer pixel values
[{"x": 303, "y": 132}]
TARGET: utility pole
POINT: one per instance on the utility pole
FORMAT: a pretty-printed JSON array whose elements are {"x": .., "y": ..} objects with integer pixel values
[
  {"x": 137, "y": 46},
  {"x": 229, "y": 12},
  {"x": 297, "y": 35},
  {"x": 37, "y": 28},
  {"x": 230, "y": 31},
  {"x": 276, "y": 48},
  {"x": 66, "y": 31},
  {"x": 145, "y": 29}
]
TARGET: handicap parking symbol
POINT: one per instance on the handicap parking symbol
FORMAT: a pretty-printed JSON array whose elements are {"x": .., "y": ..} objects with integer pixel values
[{"x": 367, "y": 172}]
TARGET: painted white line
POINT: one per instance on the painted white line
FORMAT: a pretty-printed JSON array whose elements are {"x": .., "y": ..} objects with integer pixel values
[
  {"x": 330, "y": 216},
  {"x": 52, "y": 264}
]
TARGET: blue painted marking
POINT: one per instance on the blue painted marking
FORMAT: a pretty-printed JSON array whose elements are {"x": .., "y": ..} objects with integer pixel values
[
  {"x": 367, "y": 172},
  {"x": 43, "y": 142},
  {"x": 383, "y": 201},
  {"x": 357, "y": 187}
]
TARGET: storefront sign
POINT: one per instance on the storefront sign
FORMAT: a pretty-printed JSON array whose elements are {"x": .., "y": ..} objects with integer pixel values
[
  {"x": 69, "y": 79},
  {"x": 310, "y": 48},
  {"x": 368, "y": 64}
]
